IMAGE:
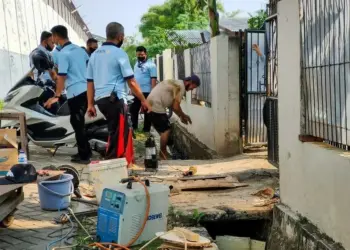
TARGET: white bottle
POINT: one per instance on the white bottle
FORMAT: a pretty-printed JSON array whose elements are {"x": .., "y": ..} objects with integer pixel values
[{"x": 22, "y": 157}]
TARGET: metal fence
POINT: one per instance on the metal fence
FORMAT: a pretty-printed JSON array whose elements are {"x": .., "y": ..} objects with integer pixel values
[
  {"x": 180, "y": 65},
  {"x": 325, "y": 49},
  {"x": 161, "y": 68},
  {"x": 253, "y": 87},
  {"x": 200, "y": 65},
  {"x": 271, "y": 104}
]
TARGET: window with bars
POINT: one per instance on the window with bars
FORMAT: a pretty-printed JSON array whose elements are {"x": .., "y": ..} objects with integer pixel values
[
  {"x": 325, "y": 51},
  {"x": 200, "y": 65}
]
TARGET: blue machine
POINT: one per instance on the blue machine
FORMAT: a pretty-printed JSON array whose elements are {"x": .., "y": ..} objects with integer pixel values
[{"x": 122, "y": 210}]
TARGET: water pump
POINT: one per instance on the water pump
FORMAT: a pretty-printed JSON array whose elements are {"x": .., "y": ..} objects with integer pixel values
[{"x": 151, "y": 160}]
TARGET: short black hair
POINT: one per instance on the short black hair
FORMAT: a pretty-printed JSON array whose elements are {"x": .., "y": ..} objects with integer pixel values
[
  {"x": 141, "y": 49},
  {"x": 114, "y": 29},
  {"x": 91, "y": 40},
  {"x": 60, "y": 31},
  {"x": 45, "y": 35}
]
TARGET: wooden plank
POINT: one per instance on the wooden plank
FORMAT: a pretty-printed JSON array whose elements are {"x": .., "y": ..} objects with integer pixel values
[
  {"x": 309, "y": 138},
  {"x": 21, "y": 117},
  {"x": 190, "y": 236},
  {"x": 207, "y": 184},
  {"x": 23, "y": 132},
  {"x": 203, "y": 177}
]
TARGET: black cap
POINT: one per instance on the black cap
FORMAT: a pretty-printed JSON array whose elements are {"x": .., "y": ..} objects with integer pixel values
[
  {"x": 20, "y": 173},
  {"x": 194, "y": 79}
]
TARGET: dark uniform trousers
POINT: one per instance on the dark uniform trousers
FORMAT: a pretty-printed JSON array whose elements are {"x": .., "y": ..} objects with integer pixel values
[
  {"x": 78, "y": 106},
  {"x": 118, "y": 126}
]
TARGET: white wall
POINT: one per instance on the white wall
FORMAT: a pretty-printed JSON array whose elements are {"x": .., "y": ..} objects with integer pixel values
[
  {"x": 314, "y": 177},
  {"x": 217, "y": 127},
  {"x": 21, "y": 23}
]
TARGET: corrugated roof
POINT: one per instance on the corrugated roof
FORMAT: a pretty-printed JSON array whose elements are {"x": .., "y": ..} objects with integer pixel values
[
  {"x": 185, "y": 37},
  {"x": 233, "y": 24}
]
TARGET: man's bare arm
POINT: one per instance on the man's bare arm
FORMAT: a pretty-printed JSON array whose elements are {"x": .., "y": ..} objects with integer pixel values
[
  {"x": 53, "y": 75},
  {"x": 154, "y": 82},
  {"x": 60, "y": 84},
  {"x": 177, "y": 109},
  {"x": 91, "y": 93},
  {"x": 135, "y": 89}
]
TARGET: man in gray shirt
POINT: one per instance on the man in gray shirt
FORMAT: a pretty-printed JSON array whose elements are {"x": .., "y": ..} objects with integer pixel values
[{"x": 168, "y": 94}]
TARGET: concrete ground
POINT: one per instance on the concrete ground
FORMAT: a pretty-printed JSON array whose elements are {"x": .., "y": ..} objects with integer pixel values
[{"x": 33, "y": 227}]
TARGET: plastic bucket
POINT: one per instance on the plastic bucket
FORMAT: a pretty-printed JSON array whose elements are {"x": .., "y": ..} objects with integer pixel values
[{"x": 56, "y": 194}]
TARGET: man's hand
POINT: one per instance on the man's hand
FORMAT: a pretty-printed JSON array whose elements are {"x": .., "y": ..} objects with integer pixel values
[
  {"x": 185, "y": 119},
  {"x": 91, "y": 111},
  {"x": 256, "y": 48},
  {"x": 51, "y": 101},
  {"x": 146, "y": 106}
]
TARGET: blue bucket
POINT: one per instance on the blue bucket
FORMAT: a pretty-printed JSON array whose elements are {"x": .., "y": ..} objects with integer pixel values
[{"x": 56, "y": 194}]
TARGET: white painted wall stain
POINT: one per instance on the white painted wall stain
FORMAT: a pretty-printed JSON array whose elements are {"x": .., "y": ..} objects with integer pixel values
[{"x": 21, "y": 23}]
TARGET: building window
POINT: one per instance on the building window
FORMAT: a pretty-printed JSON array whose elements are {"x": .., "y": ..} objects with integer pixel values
[{"x": 325, "y": 52}]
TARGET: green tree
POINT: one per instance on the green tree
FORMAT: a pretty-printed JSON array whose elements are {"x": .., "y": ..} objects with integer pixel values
[
  {"x": 129, "y": 47},
  {"x": 257, "y": 20},
  {"x": 172, "y": 15}
]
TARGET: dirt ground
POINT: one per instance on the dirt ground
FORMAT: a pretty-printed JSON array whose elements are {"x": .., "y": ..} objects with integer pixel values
[{"x": 32, "y": 225}]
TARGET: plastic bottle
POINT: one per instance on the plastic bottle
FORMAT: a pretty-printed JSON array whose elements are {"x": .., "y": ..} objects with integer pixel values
[{"x": 22, "y": 157}]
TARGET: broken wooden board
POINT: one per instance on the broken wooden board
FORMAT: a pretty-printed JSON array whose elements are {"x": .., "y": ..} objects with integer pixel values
[
  {"x": 203, "y": 177},
  {"x": 176, "y": 240},
  {"x": 228, "y": 182}
]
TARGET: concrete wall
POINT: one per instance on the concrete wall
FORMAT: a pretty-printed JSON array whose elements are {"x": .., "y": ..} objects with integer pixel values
[
  {"x": 314, "y": 177},
  {"x": 217, "y": 127},
  {"x": 21, "y": 23}
]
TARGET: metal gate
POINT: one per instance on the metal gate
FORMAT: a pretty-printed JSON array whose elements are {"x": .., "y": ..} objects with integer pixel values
[
  {"x": 161, "y": 69},
  {"x": 272, "y": 82},
  {"x": 253, "y": 87}
]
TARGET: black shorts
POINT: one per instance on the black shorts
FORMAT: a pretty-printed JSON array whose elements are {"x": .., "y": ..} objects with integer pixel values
[{"x": 160, "y": 122}]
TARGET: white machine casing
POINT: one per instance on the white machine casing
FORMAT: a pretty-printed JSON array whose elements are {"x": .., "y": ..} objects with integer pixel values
[{"x": 122, "y": 211}]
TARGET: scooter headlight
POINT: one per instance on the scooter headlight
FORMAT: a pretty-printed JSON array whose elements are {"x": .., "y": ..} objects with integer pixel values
[{"x": 10, "y": 96}]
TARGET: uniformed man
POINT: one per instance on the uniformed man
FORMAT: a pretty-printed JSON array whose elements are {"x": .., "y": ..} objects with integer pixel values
[
  {"x": 109, "y": 76},
  {"x": 168, "y": 94},
  {"x": 145, "y": 75},
  {"x": 72, "y": 62},
  {"x": 91, "y": 46},
  {"x": 55, "y": 55},
  {"x": 46, "y": 45}
]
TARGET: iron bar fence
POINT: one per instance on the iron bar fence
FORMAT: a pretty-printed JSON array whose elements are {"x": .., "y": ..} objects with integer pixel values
[
  {"x": 200, "y": 65},
  {"x": 325, "y": 49},
  {"x": 271, "y": 77},
  {"x": 161, "y": 69},
  {"x": 180, "y": 65},
  {"x": 254, "y": 88}
]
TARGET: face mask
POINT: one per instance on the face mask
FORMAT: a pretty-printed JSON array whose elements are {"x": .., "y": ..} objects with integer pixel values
[
  {"x": 48, "y": 47},
  {"x": 92, "y": 50},
  {"x": 141, "y": 58},
  {"x": 120, "y": 44}
]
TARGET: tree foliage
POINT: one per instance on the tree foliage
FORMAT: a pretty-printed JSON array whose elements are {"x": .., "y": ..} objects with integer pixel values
[
  {"x": 172, "y": 15},
  {"x": 257, "y": 20},
  {"x": 129, "y": 46}
]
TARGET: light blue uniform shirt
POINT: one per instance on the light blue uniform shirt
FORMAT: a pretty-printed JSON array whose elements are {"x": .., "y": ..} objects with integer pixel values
[
  {"x": 55, "y": 54},
  {"x": 144, "y": 72},
  {"x": 46, "y": 75},
  {"x": 72, "y": 61},
  {"x": 109, "y": 68}
]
